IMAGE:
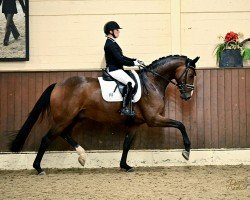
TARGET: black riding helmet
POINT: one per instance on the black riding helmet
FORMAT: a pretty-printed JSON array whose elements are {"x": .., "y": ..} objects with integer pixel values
[{"x": 110, "y": 26}]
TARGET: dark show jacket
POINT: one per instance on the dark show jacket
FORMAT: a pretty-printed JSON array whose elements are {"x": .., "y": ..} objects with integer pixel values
[
  {"x": 114, "y": 57},
  {"x": 9, "y": 6}
]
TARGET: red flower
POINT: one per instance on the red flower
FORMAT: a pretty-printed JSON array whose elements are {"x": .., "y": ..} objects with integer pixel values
[{"x": 231, "y": 36}]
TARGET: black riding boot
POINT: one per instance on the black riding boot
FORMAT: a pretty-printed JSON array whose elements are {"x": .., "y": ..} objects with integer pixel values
[{"x": 127, "y": 108}]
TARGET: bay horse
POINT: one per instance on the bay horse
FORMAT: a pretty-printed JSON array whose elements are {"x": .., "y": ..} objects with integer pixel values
[{"x": 68, "y": 102}]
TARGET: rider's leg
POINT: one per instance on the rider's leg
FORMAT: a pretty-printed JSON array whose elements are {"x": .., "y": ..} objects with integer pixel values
[
  {"x": 127, "y": 101},
  {"x": 127, "y": 98},
  {"x": 124, "y": 78}
]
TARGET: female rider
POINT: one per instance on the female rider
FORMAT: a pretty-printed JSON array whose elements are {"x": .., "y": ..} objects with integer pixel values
[{"x": 115, "y": 60}]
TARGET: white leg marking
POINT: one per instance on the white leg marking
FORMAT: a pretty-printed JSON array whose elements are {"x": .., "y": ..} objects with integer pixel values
[{"x": 82, "y": 155}]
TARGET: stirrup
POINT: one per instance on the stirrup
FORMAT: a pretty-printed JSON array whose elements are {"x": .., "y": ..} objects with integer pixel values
[{"x": 126, "y": 111}]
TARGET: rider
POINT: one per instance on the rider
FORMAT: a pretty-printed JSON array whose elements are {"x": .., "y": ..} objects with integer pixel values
[{"x": 115, "y": 60}]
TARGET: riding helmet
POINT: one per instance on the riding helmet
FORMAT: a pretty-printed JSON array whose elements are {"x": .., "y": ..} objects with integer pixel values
[{"x": 110, "y": 26}]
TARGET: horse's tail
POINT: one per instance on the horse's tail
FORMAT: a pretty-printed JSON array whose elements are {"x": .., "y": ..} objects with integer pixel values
[{"x": 42, "y": 105}]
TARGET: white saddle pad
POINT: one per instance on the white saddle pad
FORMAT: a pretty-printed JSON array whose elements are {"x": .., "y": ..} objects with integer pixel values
[{"x": 111, "y": 95}]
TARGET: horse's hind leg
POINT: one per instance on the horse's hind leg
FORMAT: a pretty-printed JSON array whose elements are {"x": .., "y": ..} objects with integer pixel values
[
  {"x": 66, "y": 134},
  {"x": 126, "y": 146},
  {"x": 46, "y": 140}
]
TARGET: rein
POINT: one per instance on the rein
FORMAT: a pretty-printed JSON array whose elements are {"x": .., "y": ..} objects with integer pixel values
[{"x": 155, "y": 73}]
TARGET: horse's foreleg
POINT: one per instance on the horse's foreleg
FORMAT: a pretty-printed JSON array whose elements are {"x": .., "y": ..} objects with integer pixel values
[
  {"x": 160, "y": 121},
  {"x": 186, "y": 141},
  {"x": 126, "y": 146},
  {"x": 46, "y": 140}
]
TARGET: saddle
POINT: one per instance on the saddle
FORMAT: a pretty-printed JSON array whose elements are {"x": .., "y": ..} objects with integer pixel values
[
  {"x": 113, "y": 90},
  {"x": 107, "y": 77}
]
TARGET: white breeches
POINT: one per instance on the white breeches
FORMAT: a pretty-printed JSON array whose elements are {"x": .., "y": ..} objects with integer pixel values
[{"x": 122, "y": 76}]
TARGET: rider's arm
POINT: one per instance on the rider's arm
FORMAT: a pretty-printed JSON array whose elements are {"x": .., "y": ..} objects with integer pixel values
[
  {"x": 119, "y": 57},
  {"x": 130, "y": 59}
]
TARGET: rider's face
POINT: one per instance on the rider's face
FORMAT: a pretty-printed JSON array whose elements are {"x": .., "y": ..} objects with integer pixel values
[{"x": 116, "y": 33}]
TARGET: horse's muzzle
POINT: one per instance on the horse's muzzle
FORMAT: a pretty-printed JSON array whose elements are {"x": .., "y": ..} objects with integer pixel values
[
  {"x": 186, "y": 96},
  {"x": 186, "y": 91}
]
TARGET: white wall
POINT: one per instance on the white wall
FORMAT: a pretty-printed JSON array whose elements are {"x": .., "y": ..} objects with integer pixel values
[
  {"x": 68, "y": 34},
  {"x": 203, "y": 21}
]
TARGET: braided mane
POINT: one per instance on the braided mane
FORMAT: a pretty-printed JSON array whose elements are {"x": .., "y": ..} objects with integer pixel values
[{"x": 163, "y": 60}]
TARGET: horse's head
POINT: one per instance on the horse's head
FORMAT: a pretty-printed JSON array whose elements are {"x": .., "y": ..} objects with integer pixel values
[
  {"x": 180, "y": 68},
  {"x": 184, "y": 76}
]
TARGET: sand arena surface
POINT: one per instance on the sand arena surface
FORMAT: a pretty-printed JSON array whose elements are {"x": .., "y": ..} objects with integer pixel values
[{"x": 209, "y": 182}]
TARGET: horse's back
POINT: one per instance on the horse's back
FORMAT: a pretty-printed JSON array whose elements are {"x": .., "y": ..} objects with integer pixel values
[{"x": 75, "y": 81}]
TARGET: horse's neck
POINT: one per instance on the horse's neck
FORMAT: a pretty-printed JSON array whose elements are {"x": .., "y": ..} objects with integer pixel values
[
  {"x": 154, "y": 83},
  {"x": 166, "y": 74}
]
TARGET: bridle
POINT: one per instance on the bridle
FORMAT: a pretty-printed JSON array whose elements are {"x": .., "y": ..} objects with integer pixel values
[{"x": 182, "y": 86}]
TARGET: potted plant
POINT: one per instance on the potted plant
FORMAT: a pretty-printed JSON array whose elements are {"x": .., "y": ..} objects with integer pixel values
[{"x": 232, "y": 52}]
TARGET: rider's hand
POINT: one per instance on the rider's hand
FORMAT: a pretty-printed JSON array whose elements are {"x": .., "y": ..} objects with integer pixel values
[
  {"x": 136, "y": 63},
  {"x": 140, "y": 62}
]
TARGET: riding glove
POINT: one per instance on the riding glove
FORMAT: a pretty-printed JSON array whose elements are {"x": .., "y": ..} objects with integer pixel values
[
  {"x": 136, "y": 63},
  {"x": 140, "y": 62}
]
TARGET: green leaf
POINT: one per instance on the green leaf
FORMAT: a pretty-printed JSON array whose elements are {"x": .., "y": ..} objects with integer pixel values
[
  {"x": 246, "y": 54},
  {"x": 218, "y": 49}
]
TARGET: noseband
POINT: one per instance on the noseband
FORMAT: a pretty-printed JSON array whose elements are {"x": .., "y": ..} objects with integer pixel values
[{"x": 181, "y": 86}]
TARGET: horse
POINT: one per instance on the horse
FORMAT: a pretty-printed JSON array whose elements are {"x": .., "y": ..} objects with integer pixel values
[{"x": 77, "y": 98}]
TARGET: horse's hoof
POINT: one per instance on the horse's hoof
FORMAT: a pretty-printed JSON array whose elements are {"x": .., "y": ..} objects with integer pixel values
[
  {"x": 42, "y": 173},
  {"x": 185, "y": 154},
  {"x": 128, "y": 169},
  {"x": 131, "y": 170},
  {"x": 81, "y": 160}
]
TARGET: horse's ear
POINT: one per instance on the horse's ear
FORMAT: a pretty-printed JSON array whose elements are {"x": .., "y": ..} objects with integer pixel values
[{"x": 196, "y": 59}]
